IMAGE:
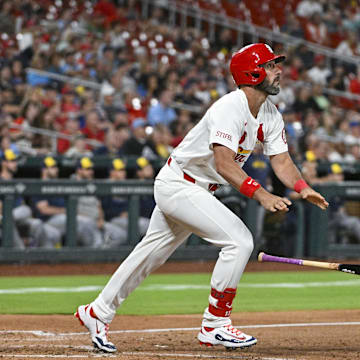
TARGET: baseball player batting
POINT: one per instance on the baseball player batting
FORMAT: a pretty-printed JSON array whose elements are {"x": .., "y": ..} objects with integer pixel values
[{"x": 211, "y": 154}]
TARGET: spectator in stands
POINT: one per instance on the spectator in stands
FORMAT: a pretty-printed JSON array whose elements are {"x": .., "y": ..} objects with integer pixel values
[
  {"x": 337, "y": 79},
  {"x": 292, "y": 26},
  {"x": 136, "y": 145},
  {"x": 72, "y": 128},
  {"x": 120, "y": 118},
  {"x": 160, "y": 142},
  {"x": 107, "y": 106},
  {"x": 104, "y": 233},
  {"x": 171, "y": 81},
  {"x": 327, "y": 126},
  {"x": 354, "y": 156},
  {"x": 351, "y": 19},
  {"x": 353, "y": 136},
  {"x": 162, "y": 112},
  {"x": 332, "y": 18},
  {"x": 350, "y": 45},
  {"x": 134, "y": 106},
  {"x": 306, "y": 55},
  {"x": 310, "y": 122},
  {"x": 322, "y": 102},
  {"x": 306, "y": 8},
  {"x": 340, "y": 153},
  {"x": 343, "y": 129},
  {"x": 189, "y": 95},
  {"x": 114, "y": 141},
  {"x": 38, "y": 62},
  {"x": 6, "y": 77},
  {"x": 319, "y": 73},
  {"x": 8, "y": 101},
  {"x": 224, "y": 42},
  {"x": 94, "y": 127},
  {"x": 105, "y": 12},
  {"x": 79, "y": 147},
  {"x": 43, "y": 143},
  {"x": 316, "y": 30},
  {"x": 70, "y": 102},
  {"x": 149, "y": 86},
  {"x": 6, "y": 20},
  {"x": 354, "y": 85},
  {"x": 18, "y": 73},
  {"x": 19, "y": 135},
  {"x": 22, "y": 215},
  {"x": 52, "y": 210},
  {"x": 69, "y": 66},
  {"x": 304, "y": 101}
]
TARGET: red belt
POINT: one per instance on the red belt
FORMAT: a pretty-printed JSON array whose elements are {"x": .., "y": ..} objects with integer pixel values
[{"x": 211, "y": 187}]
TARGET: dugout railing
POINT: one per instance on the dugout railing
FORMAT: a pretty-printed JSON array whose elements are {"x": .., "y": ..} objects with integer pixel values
[
  {"x": 194, "y": 249},
  {"x": 310, "y": 237}
]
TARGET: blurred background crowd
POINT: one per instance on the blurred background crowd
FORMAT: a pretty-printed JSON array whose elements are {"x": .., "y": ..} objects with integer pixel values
[{"x": 128, "y": 78}]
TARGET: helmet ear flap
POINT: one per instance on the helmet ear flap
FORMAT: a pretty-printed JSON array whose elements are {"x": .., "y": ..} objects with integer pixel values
[{"x": 258, "y": 75}]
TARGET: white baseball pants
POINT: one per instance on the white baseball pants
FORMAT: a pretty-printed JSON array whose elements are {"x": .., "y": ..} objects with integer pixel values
[{"x": 182, "y": 208}]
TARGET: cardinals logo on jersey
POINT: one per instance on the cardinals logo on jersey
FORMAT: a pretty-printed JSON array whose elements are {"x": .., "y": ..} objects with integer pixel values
[
  {"x": 260, "y": 133},
  {"x": 242, "y": 153},
  {"x": 243, "y": 137}
]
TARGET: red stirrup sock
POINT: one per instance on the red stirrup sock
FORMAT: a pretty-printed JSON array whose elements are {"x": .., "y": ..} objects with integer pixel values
[{"x": 220, "y": 303}]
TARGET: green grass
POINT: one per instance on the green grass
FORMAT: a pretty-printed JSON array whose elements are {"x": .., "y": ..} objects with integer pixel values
[{"x": 159, "y": 301}]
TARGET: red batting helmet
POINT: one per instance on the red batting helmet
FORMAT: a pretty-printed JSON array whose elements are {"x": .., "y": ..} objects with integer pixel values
[{"x": 244, "y": 65}]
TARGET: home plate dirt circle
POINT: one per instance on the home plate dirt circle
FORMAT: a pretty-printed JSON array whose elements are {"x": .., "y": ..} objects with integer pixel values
[{"x": 299, "y": 335}]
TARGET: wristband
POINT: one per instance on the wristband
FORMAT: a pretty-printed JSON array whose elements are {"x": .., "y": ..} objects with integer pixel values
[
  {"x": 299, "y": 185},
  {"x": 249, "y": 186}
]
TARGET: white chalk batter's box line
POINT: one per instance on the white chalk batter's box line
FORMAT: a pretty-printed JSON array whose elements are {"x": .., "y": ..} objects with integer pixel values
[
  {"x": 168, "y": 356},
  {"x": 52, "y": 336},
  {"x": 92, "y": 354}
]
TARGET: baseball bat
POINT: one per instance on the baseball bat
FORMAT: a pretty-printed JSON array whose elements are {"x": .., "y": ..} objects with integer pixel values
[{"x": 347, "y": 268}]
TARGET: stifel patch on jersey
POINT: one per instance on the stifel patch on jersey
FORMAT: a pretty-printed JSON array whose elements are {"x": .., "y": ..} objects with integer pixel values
[{"x": 223, "y": 135}]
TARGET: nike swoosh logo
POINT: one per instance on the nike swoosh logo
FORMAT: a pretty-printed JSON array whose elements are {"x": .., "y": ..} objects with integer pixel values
[{"x": 236, "y": 341}]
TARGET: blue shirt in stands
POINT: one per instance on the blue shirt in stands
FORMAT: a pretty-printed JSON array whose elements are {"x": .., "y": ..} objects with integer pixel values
[{"x": 158, "y": 114}]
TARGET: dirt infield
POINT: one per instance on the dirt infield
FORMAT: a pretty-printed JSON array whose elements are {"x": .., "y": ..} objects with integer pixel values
[
  {"x": 62, "y": 337},
  {"x": 305, "y": 335}
]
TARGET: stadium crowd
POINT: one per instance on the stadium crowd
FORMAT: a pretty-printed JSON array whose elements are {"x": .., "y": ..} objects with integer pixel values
[{"x": 105, "y": 81}]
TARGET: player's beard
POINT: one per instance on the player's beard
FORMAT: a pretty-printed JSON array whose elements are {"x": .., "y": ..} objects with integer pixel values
[{"x": 269, "y": 89}]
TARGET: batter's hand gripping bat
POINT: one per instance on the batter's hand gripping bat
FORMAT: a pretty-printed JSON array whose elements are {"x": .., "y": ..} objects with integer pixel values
[{"x": 348, "y": 268}]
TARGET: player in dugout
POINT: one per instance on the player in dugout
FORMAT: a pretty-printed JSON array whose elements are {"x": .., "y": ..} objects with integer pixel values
[{"x": 211, "y": 154}]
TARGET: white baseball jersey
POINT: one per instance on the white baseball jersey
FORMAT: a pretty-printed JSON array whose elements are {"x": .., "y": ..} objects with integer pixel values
[
  {"x": 182, "y": 208},
  {"x": 229, "y": 122}
]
